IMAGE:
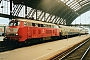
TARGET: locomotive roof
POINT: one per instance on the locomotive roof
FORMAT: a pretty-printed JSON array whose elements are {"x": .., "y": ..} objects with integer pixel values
[
  {"x": 62, "y": 26},
  {"x": 40, "y": 22}
]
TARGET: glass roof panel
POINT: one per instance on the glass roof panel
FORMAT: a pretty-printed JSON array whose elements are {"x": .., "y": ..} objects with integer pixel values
[{"x": 76, "y": 4}]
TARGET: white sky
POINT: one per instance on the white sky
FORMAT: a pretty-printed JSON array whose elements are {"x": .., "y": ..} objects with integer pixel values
[{"x": 83, "y": 19}]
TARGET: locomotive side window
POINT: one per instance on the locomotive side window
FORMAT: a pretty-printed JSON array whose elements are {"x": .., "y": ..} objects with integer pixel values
[
  {"x": 55, "y": 26},
  {"x": 29, "y": 24},
  {"x": 25, "y": 23},
  {"x": 41, "y": 25},
  {"x": 38, "y": 25},
  {"x": 44, "y": 25},
  {"x": 52, "y": 26},
  {"x": 49, "y": 26},
  {"x": 33, "y": 24}
]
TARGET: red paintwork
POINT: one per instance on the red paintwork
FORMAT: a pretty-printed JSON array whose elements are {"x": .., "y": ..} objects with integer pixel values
[{"x": 36, "y": 32}]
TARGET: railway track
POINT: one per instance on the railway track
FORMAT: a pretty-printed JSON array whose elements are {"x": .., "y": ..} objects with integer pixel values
[
  {"x": 4, "y": 46},
  {"x": 82, "y": 58},
  {"x": 77, "y": 52}
]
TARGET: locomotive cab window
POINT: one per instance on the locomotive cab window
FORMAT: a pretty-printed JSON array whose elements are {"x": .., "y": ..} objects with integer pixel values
[
  {"x": 17, "y": 23},
  {"x": 10, "y": 23},
  {"x": 14, "y": 23}
]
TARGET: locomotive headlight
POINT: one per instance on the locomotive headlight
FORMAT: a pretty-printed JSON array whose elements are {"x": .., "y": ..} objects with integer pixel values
[{"x": 16, "y": 34}]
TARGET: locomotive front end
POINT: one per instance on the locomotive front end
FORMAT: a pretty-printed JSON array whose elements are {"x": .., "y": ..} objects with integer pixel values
[{"x": 12, "y": 31}]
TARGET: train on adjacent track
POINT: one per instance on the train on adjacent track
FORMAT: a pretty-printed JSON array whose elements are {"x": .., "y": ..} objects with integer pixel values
[
  {"x": 1, "y": 31},
  {"x": 26, "y": 30}
]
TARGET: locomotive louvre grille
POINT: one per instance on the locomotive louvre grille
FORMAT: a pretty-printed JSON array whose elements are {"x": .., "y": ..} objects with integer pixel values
[{"x": 12, "y": 30}]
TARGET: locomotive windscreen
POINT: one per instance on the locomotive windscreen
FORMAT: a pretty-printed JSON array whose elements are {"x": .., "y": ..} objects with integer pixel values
[{"x": 14, "y": 23}]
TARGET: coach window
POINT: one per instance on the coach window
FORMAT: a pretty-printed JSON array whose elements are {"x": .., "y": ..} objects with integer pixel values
[{"x": 70, "y": 30}]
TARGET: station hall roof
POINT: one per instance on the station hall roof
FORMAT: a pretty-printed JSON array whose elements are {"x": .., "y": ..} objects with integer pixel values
[{"x": 67, "y": 9}]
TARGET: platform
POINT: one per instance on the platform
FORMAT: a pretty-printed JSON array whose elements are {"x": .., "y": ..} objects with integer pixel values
[{"x": 41, "y": 51}]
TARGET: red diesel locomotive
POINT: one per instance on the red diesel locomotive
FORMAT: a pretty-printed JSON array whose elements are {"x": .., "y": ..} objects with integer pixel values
[{"x": 23, "y": 30}]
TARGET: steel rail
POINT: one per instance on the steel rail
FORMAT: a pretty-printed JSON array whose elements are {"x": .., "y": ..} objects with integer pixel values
[
  {"x": 85, "y": 53},
  {"x": 66, "y": 53},
  {"x": 75, "y": 48}
]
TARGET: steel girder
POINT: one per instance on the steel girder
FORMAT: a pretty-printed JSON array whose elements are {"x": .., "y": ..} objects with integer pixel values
[{"x": 57, "y": 8}]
